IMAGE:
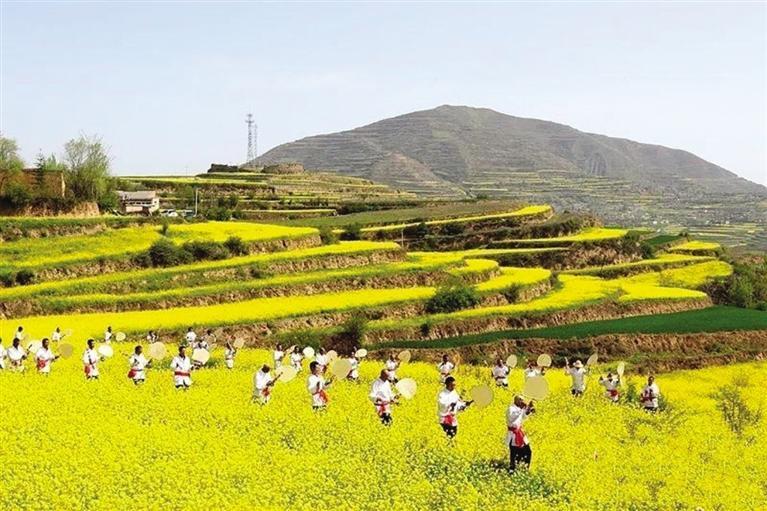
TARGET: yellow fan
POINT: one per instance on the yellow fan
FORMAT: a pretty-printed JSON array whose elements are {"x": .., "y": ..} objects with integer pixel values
[
  {"x": 341, "y": 367},
  {"x": 201, "y": 356},
  {"x": 482, "y": 395},
  {"x": 544, "y": 360},
  {"x": 105, "y": 350},
  {"x": 285, "y": 373},
  {"x": 332, "y": 355},
  {"x": 536, "y": 387},
  {"x": 407, "y": 388},
  {"x": 308, "y": 352},
  {"x": 361, "y": 353},
  {"x": 34, "y": 347},
  {"x": 404, "y": 356},
  {"x": 66, "y": 350},
  {"x": 120, "y": 336},
  {"x": 593, "y": 359},
  {"x": 621, "y": 368},
  {"x": 511, "y": 361},
  {"x": 157, "y": 350}
]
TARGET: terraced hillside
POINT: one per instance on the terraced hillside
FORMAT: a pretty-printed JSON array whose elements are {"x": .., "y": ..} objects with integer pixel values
[
  {"x": 263, "y": 196},
  {"x": 288, "y": 283},
  {"x": 458, "y": 152}
]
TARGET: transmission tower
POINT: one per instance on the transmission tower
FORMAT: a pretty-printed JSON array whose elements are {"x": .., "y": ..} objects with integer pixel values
[{"x": 252, "y": 138}]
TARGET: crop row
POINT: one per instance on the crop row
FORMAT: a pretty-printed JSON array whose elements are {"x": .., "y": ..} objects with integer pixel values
[
  {"x": 660, "y": 262},
  {"x": 395, "y": 274},
  {"x": 205, "y": 271},
  {"x": 119, "y": 243},
  {"x": 587, "y": 235},
  {"x": 573, "y": 292},
  {"x": 523, "y": 212}
]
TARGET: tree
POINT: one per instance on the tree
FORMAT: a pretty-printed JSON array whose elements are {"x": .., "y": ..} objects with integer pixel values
[
  {"x": 11, "y": 163},
  {"x": 47, "y": 163},
  {"x": 87, "y": 169}
]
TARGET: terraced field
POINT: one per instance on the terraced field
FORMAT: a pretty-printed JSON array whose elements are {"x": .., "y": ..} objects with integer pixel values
[
  {"x": 264, "y": 196},
  {"x": 277, "y": 289},
  {"x": 117, "y": 243}
]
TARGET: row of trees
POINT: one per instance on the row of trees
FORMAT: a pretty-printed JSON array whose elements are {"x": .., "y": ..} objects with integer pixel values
[{"x": 86, "y": 165}]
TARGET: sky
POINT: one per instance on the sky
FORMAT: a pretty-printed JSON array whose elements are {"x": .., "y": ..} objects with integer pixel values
[{"x": 167, "y": 85}]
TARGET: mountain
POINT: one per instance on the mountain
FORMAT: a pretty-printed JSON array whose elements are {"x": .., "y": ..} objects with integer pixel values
[{"x": 455, "y": 151}]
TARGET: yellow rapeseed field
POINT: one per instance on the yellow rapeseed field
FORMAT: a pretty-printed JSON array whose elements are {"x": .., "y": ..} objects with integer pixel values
[
  {"x": 106, "y": 445},
  {"x": 590, "y": 234},
  {"x": 39, "y": 252},
  {"x": 696, "y": 245}
]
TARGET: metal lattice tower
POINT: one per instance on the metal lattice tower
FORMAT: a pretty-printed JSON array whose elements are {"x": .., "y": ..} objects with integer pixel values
[{"x": 252, "y": 138}]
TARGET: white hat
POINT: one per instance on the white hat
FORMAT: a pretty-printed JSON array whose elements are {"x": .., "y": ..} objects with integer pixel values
[{"x": 578, "y": 364}]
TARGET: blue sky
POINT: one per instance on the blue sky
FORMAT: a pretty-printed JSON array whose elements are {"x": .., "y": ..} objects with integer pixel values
[{"x": 167, "y": 85}]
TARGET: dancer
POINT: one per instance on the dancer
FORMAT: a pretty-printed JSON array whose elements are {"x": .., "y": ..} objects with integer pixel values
[
  {"x": 262, "y": 391},
  {"x": 519, "y": 445},
  {"x": 533, "y": 369},
  {"x": 138, "y": 365},
  {"x": 296, "y": 359},
  {"x": 382, "y": 396},
  {"x": 578, "y": 374},
  {"x": 229, "y": 354},
  {"x": 611, "y": 384},
  {"x": 90, "y": 362},
  {"x": 182, "y": 369},
  {"x": 45, "y": 357},
  {"x": 500, "y": 373},
  {"x": 445, "y": 368},
  {"x": 278, "y": 355},
  {"x": 650, "y": 396},
  {"x": 16, "y": 355},
  {"x": 354, "y": 372},
  {"x": 449, "y": 404},
  {"x": 316, "y": 385},
  {"x": 392, "y": 364}
]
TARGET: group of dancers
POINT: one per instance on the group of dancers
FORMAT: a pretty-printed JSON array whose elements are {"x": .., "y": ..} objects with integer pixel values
[{"x": 383, "y": 392}]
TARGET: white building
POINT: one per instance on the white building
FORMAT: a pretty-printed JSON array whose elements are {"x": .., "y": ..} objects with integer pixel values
[{"x": 145, "y": 202}]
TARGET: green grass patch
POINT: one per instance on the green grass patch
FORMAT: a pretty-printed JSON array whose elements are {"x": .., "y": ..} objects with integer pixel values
[
  {"x": 711, "y": 319},
  {"x": 410, "y": 214}
]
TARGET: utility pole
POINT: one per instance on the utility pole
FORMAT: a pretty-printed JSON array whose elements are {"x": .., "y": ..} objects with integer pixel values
[{"x": 252, "y": 138}]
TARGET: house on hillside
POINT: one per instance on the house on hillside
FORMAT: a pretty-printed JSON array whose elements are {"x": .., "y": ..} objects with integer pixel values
[{"x": 143, "y": 202}]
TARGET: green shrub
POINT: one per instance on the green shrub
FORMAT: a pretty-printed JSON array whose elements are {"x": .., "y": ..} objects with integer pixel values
[
  {"x": 142, "y": 260},
  {"x": 452, "y": 297},
  {"x": 453, "y": 229},
  {"x": 236, "y": 246},
  {"x": 7, "y": 278},
  {"x": 352, "y": 334},
  {"x": 327, "y": 235},
  {"x": 164, "y": 252},
  {"x": 218, "y": 213},
  {"x": 25, "y": 277},
  {"x": 18, "y": 195},
  {"x": 735, "y": 412},
  {"x": 258, "y": 273},
  {"x": 420, "y": 230},
  {"x": 205, "y": 250},
  {"x": 512, "y": 294},
  {"x": 352, "y": 233},
  {"x": 747, "y": 286}
]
